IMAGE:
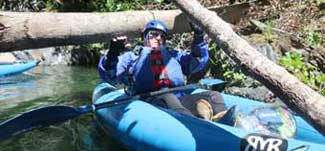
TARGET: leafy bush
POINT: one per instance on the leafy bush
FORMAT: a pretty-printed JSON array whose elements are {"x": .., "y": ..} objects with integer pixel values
[
  {"x": 268, "y": 32},
  {"x": 306, "y": 72},
  {"x": 314, "y": 38},
  {"x": 229, "y": 72},
  {"x": 76, "y": 5},
  {"x": 319, "y": 2},
  {"x": 100, "y": 5},
  {"x": 22, "y": 5}
]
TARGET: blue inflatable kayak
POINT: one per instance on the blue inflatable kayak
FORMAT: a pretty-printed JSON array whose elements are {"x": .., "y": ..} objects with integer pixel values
[
  {"x": 145, "y": 127},
  {"x": 16, "y": 68}
]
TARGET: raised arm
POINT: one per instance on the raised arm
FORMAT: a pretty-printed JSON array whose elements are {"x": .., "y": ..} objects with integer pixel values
[
  {"x": 196, "y": 59},
  {"x": 113, "y": 65}
]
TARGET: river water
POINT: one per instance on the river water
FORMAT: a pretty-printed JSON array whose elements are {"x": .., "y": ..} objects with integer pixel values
[{"x": 53, "y": 85}]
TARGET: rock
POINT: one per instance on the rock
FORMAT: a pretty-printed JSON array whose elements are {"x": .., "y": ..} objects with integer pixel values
[
  {"x": 267, "y": 50},
  {"x": 258, "y": 93},
  {"x": 22, "y": 55},
  {"x": 296, "y": 43},
  {"x": 322, "y": 19},
  {"x": 284, "y": 45},
  {"x": 55, "y": 56},
  {"x": 23, "y": 6},
  {"x": 317, "y": 57},
  {"x": 83, "y": 56}
]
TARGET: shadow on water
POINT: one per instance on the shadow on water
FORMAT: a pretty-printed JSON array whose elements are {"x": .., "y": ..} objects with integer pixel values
[{"x": 51, "y": 86}]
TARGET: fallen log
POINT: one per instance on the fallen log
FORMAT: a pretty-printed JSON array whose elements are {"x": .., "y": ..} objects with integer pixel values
[
  {"x": 298, "y": 96},
  {"x": 36, "y": 30}
]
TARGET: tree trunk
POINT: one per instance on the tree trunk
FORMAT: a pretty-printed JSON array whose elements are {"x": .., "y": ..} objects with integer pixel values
[
  {"x": 36, "y": 30},
  {"x": 298, "y": 96}
]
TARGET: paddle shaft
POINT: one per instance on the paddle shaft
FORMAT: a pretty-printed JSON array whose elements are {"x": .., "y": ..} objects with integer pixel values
[{"x": 128, "y": 99}]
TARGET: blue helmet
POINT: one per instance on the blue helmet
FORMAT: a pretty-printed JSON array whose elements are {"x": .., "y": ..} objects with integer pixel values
[{"x": 155, "y": 25}]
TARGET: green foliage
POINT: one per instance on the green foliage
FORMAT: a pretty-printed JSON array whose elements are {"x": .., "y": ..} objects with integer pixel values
[
  {"x": 314, "y": 38},
  {"x": 268, "y": 32},
  {"x": 22, "y": 5},
  {"x": 319, "y": 2},
  {"x": 122, "y": 5},
  {"x": 293, "y": 61},
  {"x": 76, "y": 6},
  {"x": 218, "y": 60},
  {"x": 306, "y": 72},
  {"x": 99, "y": 5},
  {"x": 113, "y": 5}
]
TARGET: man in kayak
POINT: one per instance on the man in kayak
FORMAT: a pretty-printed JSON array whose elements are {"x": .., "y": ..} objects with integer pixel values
[{"x": 154, "y": 66}]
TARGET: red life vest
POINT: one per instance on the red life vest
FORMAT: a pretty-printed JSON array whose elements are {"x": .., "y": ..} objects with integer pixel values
[
  {"x": 159, "y": 70},
  {"x": 152, "y": 70}
]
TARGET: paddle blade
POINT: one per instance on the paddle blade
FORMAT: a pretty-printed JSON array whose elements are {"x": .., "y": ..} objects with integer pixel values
[{"x": 37, "y": 118}]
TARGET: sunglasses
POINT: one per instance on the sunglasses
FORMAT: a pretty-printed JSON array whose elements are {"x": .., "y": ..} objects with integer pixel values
[{"x": 155, "y": 34}]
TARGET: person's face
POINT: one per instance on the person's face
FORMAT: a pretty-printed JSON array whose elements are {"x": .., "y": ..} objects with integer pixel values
[{"x": 155, "y": 39}]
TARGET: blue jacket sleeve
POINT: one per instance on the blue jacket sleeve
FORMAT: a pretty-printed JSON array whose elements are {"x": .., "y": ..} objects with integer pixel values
[
  {"x": 115, "y": 71},
  {"x": 195, "y": 60},
  {"x": 101, "y": 68}
]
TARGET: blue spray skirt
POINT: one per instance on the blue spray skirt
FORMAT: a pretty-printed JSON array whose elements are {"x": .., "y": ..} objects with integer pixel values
[
  {"x": 16, "y": 68},
  {"x": 142, "y": 126}
]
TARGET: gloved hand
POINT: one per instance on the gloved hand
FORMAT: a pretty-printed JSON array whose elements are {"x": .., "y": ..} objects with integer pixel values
[
  {"x": 198, "y": 33},
  {"x": 197, "y": 30},
  {"x": 119, "y": 44}
]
